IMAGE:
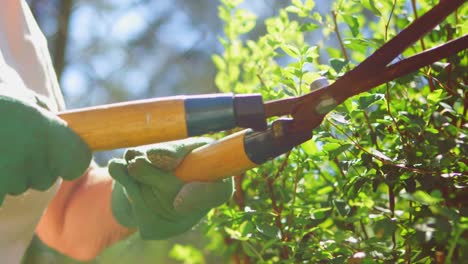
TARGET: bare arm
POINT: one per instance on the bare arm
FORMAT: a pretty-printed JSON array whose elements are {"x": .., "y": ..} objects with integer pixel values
[{"x": 78, "y": 222}]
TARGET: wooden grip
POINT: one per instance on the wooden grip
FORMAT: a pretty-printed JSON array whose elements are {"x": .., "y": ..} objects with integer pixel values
[
  {"x": 215, "y": 161},
  {"x": 129, "y": 124}
]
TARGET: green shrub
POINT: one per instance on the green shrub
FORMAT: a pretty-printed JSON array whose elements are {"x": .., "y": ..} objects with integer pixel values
[{"x": 384, "y": 178}]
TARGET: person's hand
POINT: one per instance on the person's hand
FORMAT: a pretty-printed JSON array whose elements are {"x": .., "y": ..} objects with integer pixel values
[
  {"x": 37, "y": 147},
  {"x": 148, "y": 196}
]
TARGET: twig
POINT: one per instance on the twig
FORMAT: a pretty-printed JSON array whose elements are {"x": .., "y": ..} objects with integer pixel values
[
  {"x": 408, "y": 242},
  {"x": 338, "y": 35},
  {"x": 342, "y": 173},
  {"x": 443, "y": 85},
  {"x": 423, "y": 46},
  {"x": 387, "y": 86},
  {"x": 389, "y": 111},
  {"x": 328, "y": 181},
  {"x": 239, "y": 194},
  {"x": 415, "y": 12},
  {"x": 254, "y": 250},
  {"x": 389, "y": 18},
  {"x": 366, "y": 236},
  {"x": 283, "y": 165},
  {"x": 372, "y": 132},
  {"x": 453, "y": 243},
  {"x": 261, "y": 80},
  {"x": 278, "y": 211},
  {"x": 293, "y": 202},
  {"x": 274, "y": 204},
  {"x": 391, "y": 206}
]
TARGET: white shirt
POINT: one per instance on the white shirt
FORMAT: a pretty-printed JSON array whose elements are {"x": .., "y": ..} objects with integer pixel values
[{"x": 24, "y": 64}]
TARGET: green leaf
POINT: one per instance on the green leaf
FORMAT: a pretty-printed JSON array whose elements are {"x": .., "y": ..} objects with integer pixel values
[
  {"x": 187, "y": 254},
  {"x": 325, "y": 190},
  {"x": 309, "y": 4},
  {"x": 245, "y": 21},
  {"x": 311, "y": 53},
  {"x": 244, "y": 232},
  {"x": 422, "y": 197},
  {"x": 432, "y": 130},
  {"x": 334, "y": 149},
  {"x": 385, "y": 227},
  {"x": 320, "y": 213},
  {"x": 293, "y": 9},
  {"x": 331, "y": 147},
  {"x": 371, "y": 5},
  {"x": 352, "y": 23},
  {"x": 338, "y": 64},
  {"x": 219, "y": 62},
  {"x": 269, "y": 230},
  {"x": 317, "y": 17},
  {"x": 310, "y": 147},
  {"x": 246, "y": 229},
  {"x": 366, "y": 100},
  {"x": 342, "y": 207},
  {"x": 436, "y": 96},
  {"x": 448, "y": 108},
  {"x": 249, "y": 250},
  {"x": 309, "y": 77},
  {"x": 339, "y": 118},
  {"x": 290, "y": 50},
  {"x": 450, "y": 213},
  {"x": 308, "y": 27},
  {"x": 232, "y": 3}
]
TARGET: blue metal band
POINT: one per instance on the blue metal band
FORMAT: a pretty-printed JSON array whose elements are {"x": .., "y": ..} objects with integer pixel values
[{"x": 209, "y": 113}]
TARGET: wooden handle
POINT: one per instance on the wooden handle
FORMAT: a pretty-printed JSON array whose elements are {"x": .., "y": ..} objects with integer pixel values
[
  {"x": 221, "y": 159},
  {"x": 143, "y": 122},
  {"x": 240, "y": 152},
  {"x": 129, "y": 124}
]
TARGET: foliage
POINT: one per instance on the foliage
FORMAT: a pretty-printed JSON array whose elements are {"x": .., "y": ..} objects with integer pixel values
[{"x": 384, "y": 178}]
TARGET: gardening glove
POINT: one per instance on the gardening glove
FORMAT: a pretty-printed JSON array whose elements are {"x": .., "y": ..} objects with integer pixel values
[
  {"x": 37, "y": 147},
  {"x": 147, "y": 194}
]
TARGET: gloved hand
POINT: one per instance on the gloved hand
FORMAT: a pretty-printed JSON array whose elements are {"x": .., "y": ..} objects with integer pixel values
[
  {"x": 36, "y": 146},
  {"x": 147, "y": 195}
]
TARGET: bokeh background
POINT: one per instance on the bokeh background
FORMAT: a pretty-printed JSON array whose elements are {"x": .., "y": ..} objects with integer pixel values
[{"x": 112, "y": 51}]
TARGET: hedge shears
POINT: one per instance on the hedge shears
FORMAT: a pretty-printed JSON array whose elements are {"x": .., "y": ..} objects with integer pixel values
[{"x": 143, "y": 122}]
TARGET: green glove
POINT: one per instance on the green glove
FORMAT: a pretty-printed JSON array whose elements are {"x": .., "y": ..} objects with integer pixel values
[
  {"x": 37, "y": 147},
  {"x": 147, "y": 195}
]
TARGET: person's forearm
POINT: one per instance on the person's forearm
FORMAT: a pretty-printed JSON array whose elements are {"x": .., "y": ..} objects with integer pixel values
[{"x": 79, "y": 221}]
